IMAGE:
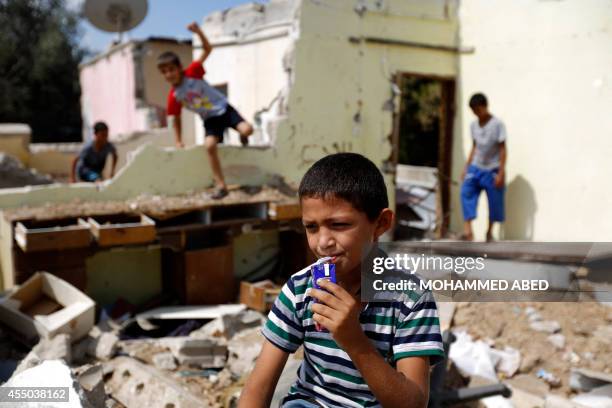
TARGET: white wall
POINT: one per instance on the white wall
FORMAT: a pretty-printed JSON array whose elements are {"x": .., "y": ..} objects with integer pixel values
[
  {"x": 253, "y": 72},
  {"x": 545, "y": 66}
]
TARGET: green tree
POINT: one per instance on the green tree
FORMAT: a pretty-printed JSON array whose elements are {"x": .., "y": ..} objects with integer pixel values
[{"x": 39, "y": 76}]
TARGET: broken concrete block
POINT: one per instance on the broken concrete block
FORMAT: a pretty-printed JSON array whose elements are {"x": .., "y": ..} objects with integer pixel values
[
  {"x": 228, "y": 325},
  {"x": 50, "y": 373},
  {"x": 102, "y": 347},
  {"x": 203, "y": 353},
  {"x": 243, "y": 350},
  {"x": 548, "y": 326},
  {"x": 91, "y": 379},
  {"x": 134, "y": 384},
  {"x": 586, "y": 380},
  {"x": 164, "y": 361},
  {"x": 56, "y": 348},
  {"x": 557, "y": 340}
]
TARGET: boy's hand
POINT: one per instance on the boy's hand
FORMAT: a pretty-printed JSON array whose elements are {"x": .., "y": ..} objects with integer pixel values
[
  {"x": 194, "y": 28},
  {"x": 180, "y": 145},
  {"x": 338, "y": 312},
  {"x": 499, "y": 179}
]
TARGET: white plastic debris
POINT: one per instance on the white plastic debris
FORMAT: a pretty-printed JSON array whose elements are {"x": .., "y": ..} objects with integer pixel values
[
  {"x": 473, "y": 358},
  {"x": 509, "y": 360}
]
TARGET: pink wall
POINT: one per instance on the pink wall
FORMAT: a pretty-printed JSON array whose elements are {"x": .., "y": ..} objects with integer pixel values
[{"x": 107, "y": 87}]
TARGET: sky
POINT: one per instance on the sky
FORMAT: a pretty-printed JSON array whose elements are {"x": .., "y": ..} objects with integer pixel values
[{"x": 165, "y": 18}]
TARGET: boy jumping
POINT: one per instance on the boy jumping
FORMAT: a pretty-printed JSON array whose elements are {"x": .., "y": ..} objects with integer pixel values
[
  {"x": 485, "y": 168},
  {"x": 191, "y": 90},
  {"x": 370, "y": 354}
]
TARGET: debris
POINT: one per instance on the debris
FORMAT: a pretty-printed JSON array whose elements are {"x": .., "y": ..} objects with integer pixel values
[
  {"x": 57, "y": 348},
  {"x": 45, "y": 306},
  {"x": 472, "y": 357},
  {"x": 556, "y": 401},
  {"x": 164, "y": 361},
  {"x": 600, "y": 397},
  {"x": 103, "y": 346},
  {"x": 244, "y": 349},
  {"x": 134, "y": 384},
  {"x": 550, "y": 378},
  {"x": 549, "y": 326},
  {"x": 259, "y": 295},
  {"x": 91, "y": 379},
  {"x": 557, "y": 340},
  {"x": 529, "y": 384},
  {"x": 189, "y": 312},
  {"x": 586, "y": 380},
  {"x": 14, "y": 174},
  {"x": 509, "y": 360},
  {"x": 50, "y": 373},
  {"x": 205, "y": 353},
  {"x": 228, "y": 325}
]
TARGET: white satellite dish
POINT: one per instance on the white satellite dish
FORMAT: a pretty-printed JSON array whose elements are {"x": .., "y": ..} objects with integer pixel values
[{"x": 115, "y": 16}]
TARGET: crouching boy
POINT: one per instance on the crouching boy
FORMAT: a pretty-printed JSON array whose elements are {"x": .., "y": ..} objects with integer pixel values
[{"x": 368, "y": 354}]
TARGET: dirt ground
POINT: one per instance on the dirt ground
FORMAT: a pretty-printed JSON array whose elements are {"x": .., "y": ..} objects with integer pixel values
[{"x": 587, "y": 328}]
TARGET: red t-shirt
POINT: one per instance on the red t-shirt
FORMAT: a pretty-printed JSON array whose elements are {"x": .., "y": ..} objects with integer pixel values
[{"x": 194, "y": 70}]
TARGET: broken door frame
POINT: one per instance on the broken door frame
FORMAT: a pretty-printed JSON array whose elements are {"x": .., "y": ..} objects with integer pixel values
[{"x": 447, "y": 116}]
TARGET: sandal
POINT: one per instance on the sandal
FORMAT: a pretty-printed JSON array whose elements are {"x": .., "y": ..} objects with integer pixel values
[{"x": 219, "y": 193}]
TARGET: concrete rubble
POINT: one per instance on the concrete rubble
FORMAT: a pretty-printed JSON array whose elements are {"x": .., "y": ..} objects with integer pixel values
[
  {"x": 14, "y": 174},
  {"x": 548, "y": 354}
]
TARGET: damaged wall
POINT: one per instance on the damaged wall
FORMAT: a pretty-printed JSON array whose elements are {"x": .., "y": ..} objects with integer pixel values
[
  {"x": 337, "y": 102},
  {"x": 136, "y": 101},
  {"x": 547, "y": 76},
  {"x": 15, "y": 139}
]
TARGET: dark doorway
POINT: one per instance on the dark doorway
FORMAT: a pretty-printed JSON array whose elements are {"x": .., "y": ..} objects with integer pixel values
[{"x": 422, "y": 155}]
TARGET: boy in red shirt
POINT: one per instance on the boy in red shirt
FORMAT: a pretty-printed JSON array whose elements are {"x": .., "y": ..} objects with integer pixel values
[{"x": 189, "y": 89}]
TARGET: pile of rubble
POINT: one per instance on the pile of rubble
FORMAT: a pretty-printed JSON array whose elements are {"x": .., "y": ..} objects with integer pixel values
[
  {"x": 14, "y": 174},
  {"x": 549, "y": 354},
  {"x": 204, "y": 368}
]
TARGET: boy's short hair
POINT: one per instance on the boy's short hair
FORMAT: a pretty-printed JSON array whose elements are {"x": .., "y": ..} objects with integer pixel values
[
  {"x": 99, "y": 127},
  {"x": 168, "y": 57},
  {"x": 478, "y": 99},
  {"x": 349, "y": 176}
]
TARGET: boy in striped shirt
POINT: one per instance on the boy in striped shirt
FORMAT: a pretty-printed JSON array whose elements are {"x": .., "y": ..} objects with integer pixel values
[{"x": 370, "y": 354}]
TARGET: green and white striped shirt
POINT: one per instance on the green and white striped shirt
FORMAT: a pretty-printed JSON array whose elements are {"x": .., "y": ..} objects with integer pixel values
[{"x": 327, "y": 375}]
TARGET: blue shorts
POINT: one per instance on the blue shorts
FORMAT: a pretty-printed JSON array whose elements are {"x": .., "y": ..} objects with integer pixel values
[
  {"x": 86, "y": 174},
  {"x": 476, "y": 180}
]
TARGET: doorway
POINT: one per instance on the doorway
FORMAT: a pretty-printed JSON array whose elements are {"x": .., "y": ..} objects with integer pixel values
[{"x": 423, "y": 140}]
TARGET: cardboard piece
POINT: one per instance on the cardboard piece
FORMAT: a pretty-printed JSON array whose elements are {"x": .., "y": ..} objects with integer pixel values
[
  {"x": 45, "y": 306},
  {"x": 259, "y": 295}
]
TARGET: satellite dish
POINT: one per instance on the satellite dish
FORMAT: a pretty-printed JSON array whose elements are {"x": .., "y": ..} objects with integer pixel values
[{"x": 115, "y": 16}]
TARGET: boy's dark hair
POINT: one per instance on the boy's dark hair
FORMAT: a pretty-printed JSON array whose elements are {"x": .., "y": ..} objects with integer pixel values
[
  {"x": 478, "y": 99},
  {"x": 168, "y": 57},
  {"x": 349, "y": 176},
  {"x": 99, "y": 127}
]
